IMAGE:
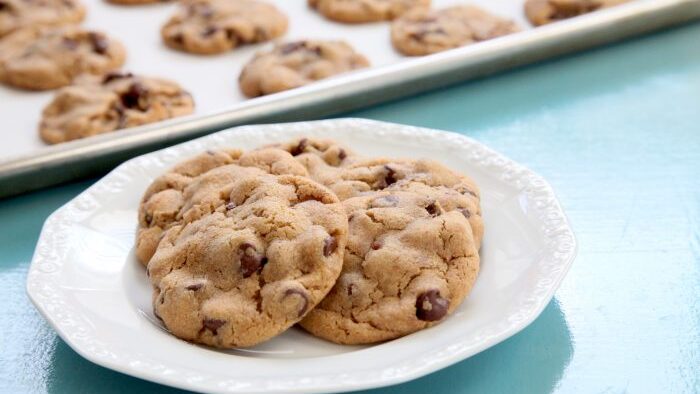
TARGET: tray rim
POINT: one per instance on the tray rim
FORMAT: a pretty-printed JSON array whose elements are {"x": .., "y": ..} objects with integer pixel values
[
  {"x": 560, "y": 251},
  {"x": 67, "y": 161}
]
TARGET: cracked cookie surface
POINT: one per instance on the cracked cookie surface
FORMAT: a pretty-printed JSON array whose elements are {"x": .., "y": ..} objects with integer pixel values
[
  {"x": 194, "y": 188},
  {"x": 18, "y": 14},
  {"x": 361, "y": 11},
  {"x": 116, "y": 101},
  {"x": 408, "y": 264},
  {"x": 424, "y": 32},
  {"x": 541, "y": 12},
  {"x": 255, "y": 266},
  {"x": 51, "y": 57},
  {"x": 354, "y": 175},
  {"x": 296, "y": 64},
  {"x": 215, "y": 26}
]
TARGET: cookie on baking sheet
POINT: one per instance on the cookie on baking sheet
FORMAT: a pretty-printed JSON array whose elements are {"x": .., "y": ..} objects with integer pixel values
[
  {"x": 408, "y": 264},
  {"x": 51, "y": 57},
  {"x": 296, "y": 64},
  {"x": 424, "y": 32},
  {"x": 255, "y": 266},
  {"x": 214, "y": 26},
  {"x": 541, "y": 12},
  {"x": 97, "y": 105},
  {"x": 17, "y": 14},
  {"x": 361, "y": 11},
  {"x": 193, "y": 189}
]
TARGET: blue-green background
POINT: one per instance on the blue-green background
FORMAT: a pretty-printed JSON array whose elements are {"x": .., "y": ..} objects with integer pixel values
[{"x": 617, "y": 133}]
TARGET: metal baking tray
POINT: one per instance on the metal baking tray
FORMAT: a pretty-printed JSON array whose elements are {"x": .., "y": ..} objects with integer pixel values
[{"x": 27, "y": 164}]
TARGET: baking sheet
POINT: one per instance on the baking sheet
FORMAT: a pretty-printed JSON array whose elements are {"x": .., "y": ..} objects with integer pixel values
[{"x": 27, "y": 163}]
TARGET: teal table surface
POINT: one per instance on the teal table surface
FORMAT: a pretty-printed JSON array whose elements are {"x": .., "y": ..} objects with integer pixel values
[{"x": 617, "y": 133}]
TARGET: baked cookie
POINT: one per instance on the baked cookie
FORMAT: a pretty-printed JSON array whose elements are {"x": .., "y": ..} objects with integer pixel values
[
  {"x": 361, "y": 11},
  {"x": 214, "y": 26},
  {"x": 50, "y": 57},
  {"x": 254, "y": 267},
  {"x": 17, "y": 14},
  {"x": 193, "y": 189},
  {"x": 97, "y": 105},
  {"x": 352, "y": 176},
  {"x": 296, "y": 64},
  {"x": 423, "y": 32},
  {"x": 408, "y": 264},
  {"x": 541, "y": 12}
]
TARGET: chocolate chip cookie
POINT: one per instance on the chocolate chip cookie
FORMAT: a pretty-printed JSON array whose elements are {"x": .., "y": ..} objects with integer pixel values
[
  {"x": 255, "y": 266},
  {"x": 214, "y": 26},
  {"x": 541, "y": 12},
  {"x": 17, "y": 14},
  {"x": 97, "y": 105},
  {"x": 408, "y": 264},
  {"x": 423, "y": 32},
  {"x": 361, "y": 11},
  {"x": 296, "y": 64},
  {"x": 50, "y": 57},
  {"x": 195, "y": 188}
]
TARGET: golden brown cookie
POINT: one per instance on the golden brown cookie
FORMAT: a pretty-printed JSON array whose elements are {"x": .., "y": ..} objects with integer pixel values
[
  {"x": 193, "y": 189},
  {"x": 213, "y": 26},
  {"x": 541, "y": 12},
  {"x": 408, "y": 264},
  {"x": 51, "y": 57},
  {"x": 18, "y": 14},
  {"x": 423, "y": 32},
  {"x": 255, "y": 266},
  {"x": 361, "y": 11},
  {"x": 296, "y": 64},
  {"x": 97, "y": 105}
]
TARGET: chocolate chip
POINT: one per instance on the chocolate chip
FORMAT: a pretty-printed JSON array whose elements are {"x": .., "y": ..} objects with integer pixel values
[
  {"x": 433, "y": 209},
  {"x": 304, "y": 297},
  {"x": 389, "y": 177},
  {"x": 99, "y": 43},
  {"x": 301, "y": 146},
  {"x": 466, "y": 213},
  {"x": 209, "y": 31},
  {"x": 430, "y": 306},
  {"x": 4, "y": 6},
  {"x": 352, "y": 289},
  {"x": 251, "y": 260},
  {"x": 195, "y": 286},
  {"x": 230, "y": 206},
  {"x": 330, "y": 244},
  {"x": 385, "y": 201},
  {"x": 114, "y": 76},
  {"x": 233, "y": 36},
  {"x": 291, "y": 47},
  {"x": 342, "y": 154},
  {"x": 178, "y": 39},
  {"x": 148, "y": 218},
  {"x": 213, "y": 325},
  {"x": 135, "y": 97},
  {"x": 376, "y": 245},
  {"x": 69, "y": 43}
]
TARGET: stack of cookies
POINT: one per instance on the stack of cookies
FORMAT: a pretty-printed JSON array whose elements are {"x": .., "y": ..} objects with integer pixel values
[{"x": 240, "y": 246}]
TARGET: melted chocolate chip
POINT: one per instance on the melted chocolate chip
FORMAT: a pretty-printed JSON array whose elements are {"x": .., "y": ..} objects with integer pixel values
[
  {"x": 4, "y": 6},
  {"x": 135, "y": 97},
  {"x": 233, "y": 36},
  {"x": 213, "y": 325},
  {"x": 300, "y": 148},
  {"x": 195, "y": 287},
  {"x": 465, "y": 212},
  {"x": 342, "y": 154},
  {"x": 148, "y": 218},
  {"x": 178, "y": 39},
  {"x": 230, "y": 206},
  {"x": 251, "y": 260},
  {"x": 99, "y": 43},
  {"x": 330, "y": 244},
  {"x": 352, "y": 289},
  {"x": 291, "y": 47},
  {"x": 433, "y": 209},
  {"x": 430, "y": 306},
  {"x": 114, "y": 76},
  {"x": 385, "y": 201},
  {"x": 376, "y": 245},
  {"x": 304, "y": 297},
  {"x": 390, "y": 176}
]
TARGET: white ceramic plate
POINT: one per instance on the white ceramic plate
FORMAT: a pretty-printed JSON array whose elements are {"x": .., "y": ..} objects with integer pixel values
[{"x": 86, "y": 282}]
